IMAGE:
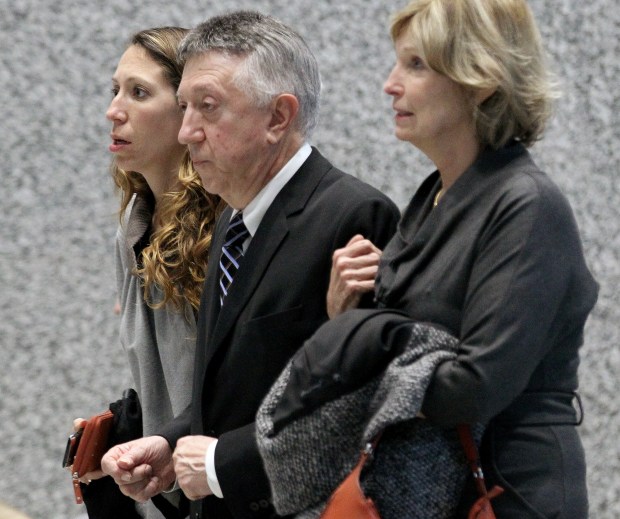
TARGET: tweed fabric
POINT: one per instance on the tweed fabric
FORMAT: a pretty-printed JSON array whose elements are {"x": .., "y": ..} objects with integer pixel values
[{"x": 418, "y": 469}]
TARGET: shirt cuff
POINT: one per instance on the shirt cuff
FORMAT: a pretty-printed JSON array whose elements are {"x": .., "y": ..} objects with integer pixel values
[
  {"x": 175, "y": 486},
  {"x": 212, "y": 481}
]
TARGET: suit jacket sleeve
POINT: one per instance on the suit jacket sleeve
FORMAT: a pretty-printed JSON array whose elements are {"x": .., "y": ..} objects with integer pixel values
[{"x": 177, "y": 428}]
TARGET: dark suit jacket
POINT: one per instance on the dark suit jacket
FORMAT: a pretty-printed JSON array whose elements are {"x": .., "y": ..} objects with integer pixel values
[{"x": 277, "y": 300}]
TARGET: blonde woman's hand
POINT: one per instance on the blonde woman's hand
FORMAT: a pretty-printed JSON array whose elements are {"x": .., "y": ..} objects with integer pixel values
[{"x": 354, "y": 268}]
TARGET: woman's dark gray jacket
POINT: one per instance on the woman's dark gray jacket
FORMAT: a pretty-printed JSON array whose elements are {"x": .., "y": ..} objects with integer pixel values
[{"x": 498, "y": 263}]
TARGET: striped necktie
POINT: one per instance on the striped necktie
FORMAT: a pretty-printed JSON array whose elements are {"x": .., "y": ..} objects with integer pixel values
[{"x": 232, "y": 251}]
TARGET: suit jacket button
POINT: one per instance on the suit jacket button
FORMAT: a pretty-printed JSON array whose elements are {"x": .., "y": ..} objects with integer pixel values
[
  {"x": 263, "y": 503},
  {"x": 255, "y": 507}
]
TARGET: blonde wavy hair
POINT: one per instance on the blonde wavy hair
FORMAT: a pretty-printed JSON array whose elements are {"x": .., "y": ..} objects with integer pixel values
[
  {"x": 484, "y": 45},
  {"x": 176, "y": 256}
]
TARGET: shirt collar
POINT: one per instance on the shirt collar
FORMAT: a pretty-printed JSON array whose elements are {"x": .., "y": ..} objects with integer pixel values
[{"x": 256, "y": 209}]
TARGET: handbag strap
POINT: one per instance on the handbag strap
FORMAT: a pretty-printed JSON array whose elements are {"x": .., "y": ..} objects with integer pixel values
[
  {"x": 471, "y": 453},
  {"x": 469, "y": 447},
  {"x": 370, "y": 448},
  {"x": 473, "y": 457}
]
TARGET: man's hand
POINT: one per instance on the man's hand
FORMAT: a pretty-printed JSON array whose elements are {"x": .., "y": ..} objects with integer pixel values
[
  {"x": 189, "y": 465},
  {"x": 142, "y": 468},
  {"x": 354, "y": 268}
]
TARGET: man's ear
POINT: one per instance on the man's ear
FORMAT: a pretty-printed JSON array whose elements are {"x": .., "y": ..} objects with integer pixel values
[{"x": 284, "y": 109}]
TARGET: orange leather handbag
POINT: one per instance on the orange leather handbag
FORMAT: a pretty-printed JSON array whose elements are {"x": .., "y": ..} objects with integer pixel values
[{"x": 348, "y": 500}]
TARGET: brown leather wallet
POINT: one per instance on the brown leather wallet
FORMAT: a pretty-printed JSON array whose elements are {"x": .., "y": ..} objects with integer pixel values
[{"x": 93, "y": 445}]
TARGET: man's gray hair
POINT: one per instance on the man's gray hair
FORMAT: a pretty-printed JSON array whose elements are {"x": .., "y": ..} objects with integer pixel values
[{"x": 277, "y": 59}]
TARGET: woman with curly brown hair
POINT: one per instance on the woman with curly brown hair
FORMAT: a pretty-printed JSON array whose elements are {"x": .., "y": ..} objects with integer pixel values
[{"x": 166, "y": 222}]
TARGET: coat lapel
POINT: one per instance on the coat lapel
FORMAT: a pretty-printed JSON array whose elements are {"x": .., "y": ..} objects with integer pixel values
[
  {"x": 255, "y": 261},
  {"x": 272, "y": 230},
  {"x": 209, "y": 303}
]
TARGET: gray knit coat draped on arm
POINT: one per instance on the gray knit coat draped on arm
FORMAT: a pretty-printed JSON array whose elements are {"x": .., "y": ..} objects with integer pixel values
[{"x": 418, "y": 470}]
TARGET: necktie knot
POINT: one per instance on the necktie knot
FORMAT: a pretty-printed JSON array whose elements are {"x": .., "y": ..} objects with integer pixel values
[{"x": 232, "y": 252}]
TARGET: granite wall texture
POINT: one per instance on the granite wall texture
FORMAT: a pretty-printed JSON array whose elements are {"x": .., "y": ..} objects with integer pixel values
[{"x": 59, "y": 356}]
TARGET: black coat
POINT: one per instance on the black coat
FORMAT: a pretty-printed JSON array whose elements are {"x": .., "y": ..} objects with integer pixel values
[{"x": 278, "y": 299}]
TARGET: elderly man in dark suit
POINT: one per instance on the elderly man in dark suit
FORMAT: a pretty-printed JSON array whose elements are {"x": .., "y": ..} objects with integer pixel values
[{"x": 250, "y": 94}]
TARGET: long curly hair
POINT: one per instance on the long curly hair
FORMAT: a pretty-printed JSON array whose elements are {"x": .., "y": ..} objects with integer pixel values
[{"x": 176, "y": 256}]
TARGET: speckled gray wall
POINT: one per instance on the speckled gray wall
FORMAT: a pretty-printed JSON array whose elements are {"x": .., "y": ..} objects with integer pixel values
[{"x": 59, "y": 356}]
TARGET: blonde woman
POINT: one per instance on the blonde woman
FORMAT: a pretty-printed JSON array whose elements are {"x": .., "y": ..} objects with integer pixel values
[
  {"x": 488, "y": 250},
  {"x": 501, "y": 265}
]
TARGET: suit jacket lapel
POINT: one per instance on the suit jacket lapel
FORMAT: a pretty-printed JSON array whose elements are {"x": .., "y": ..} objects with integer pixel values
[
  {"x": 209, "y": 303},
  {"x": 254, "y": 262},
  {"x": 271, "y": 231}
]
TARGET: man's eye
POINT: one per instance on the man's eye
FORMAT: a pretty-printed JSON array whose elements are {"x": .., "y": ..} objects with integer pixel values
[{"x": 114, "y": 91}]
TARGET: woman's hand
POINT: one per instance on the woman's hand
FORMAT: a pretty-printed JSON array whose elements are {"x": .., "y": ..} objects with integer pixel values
[{"x": 354, "y": 268}]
